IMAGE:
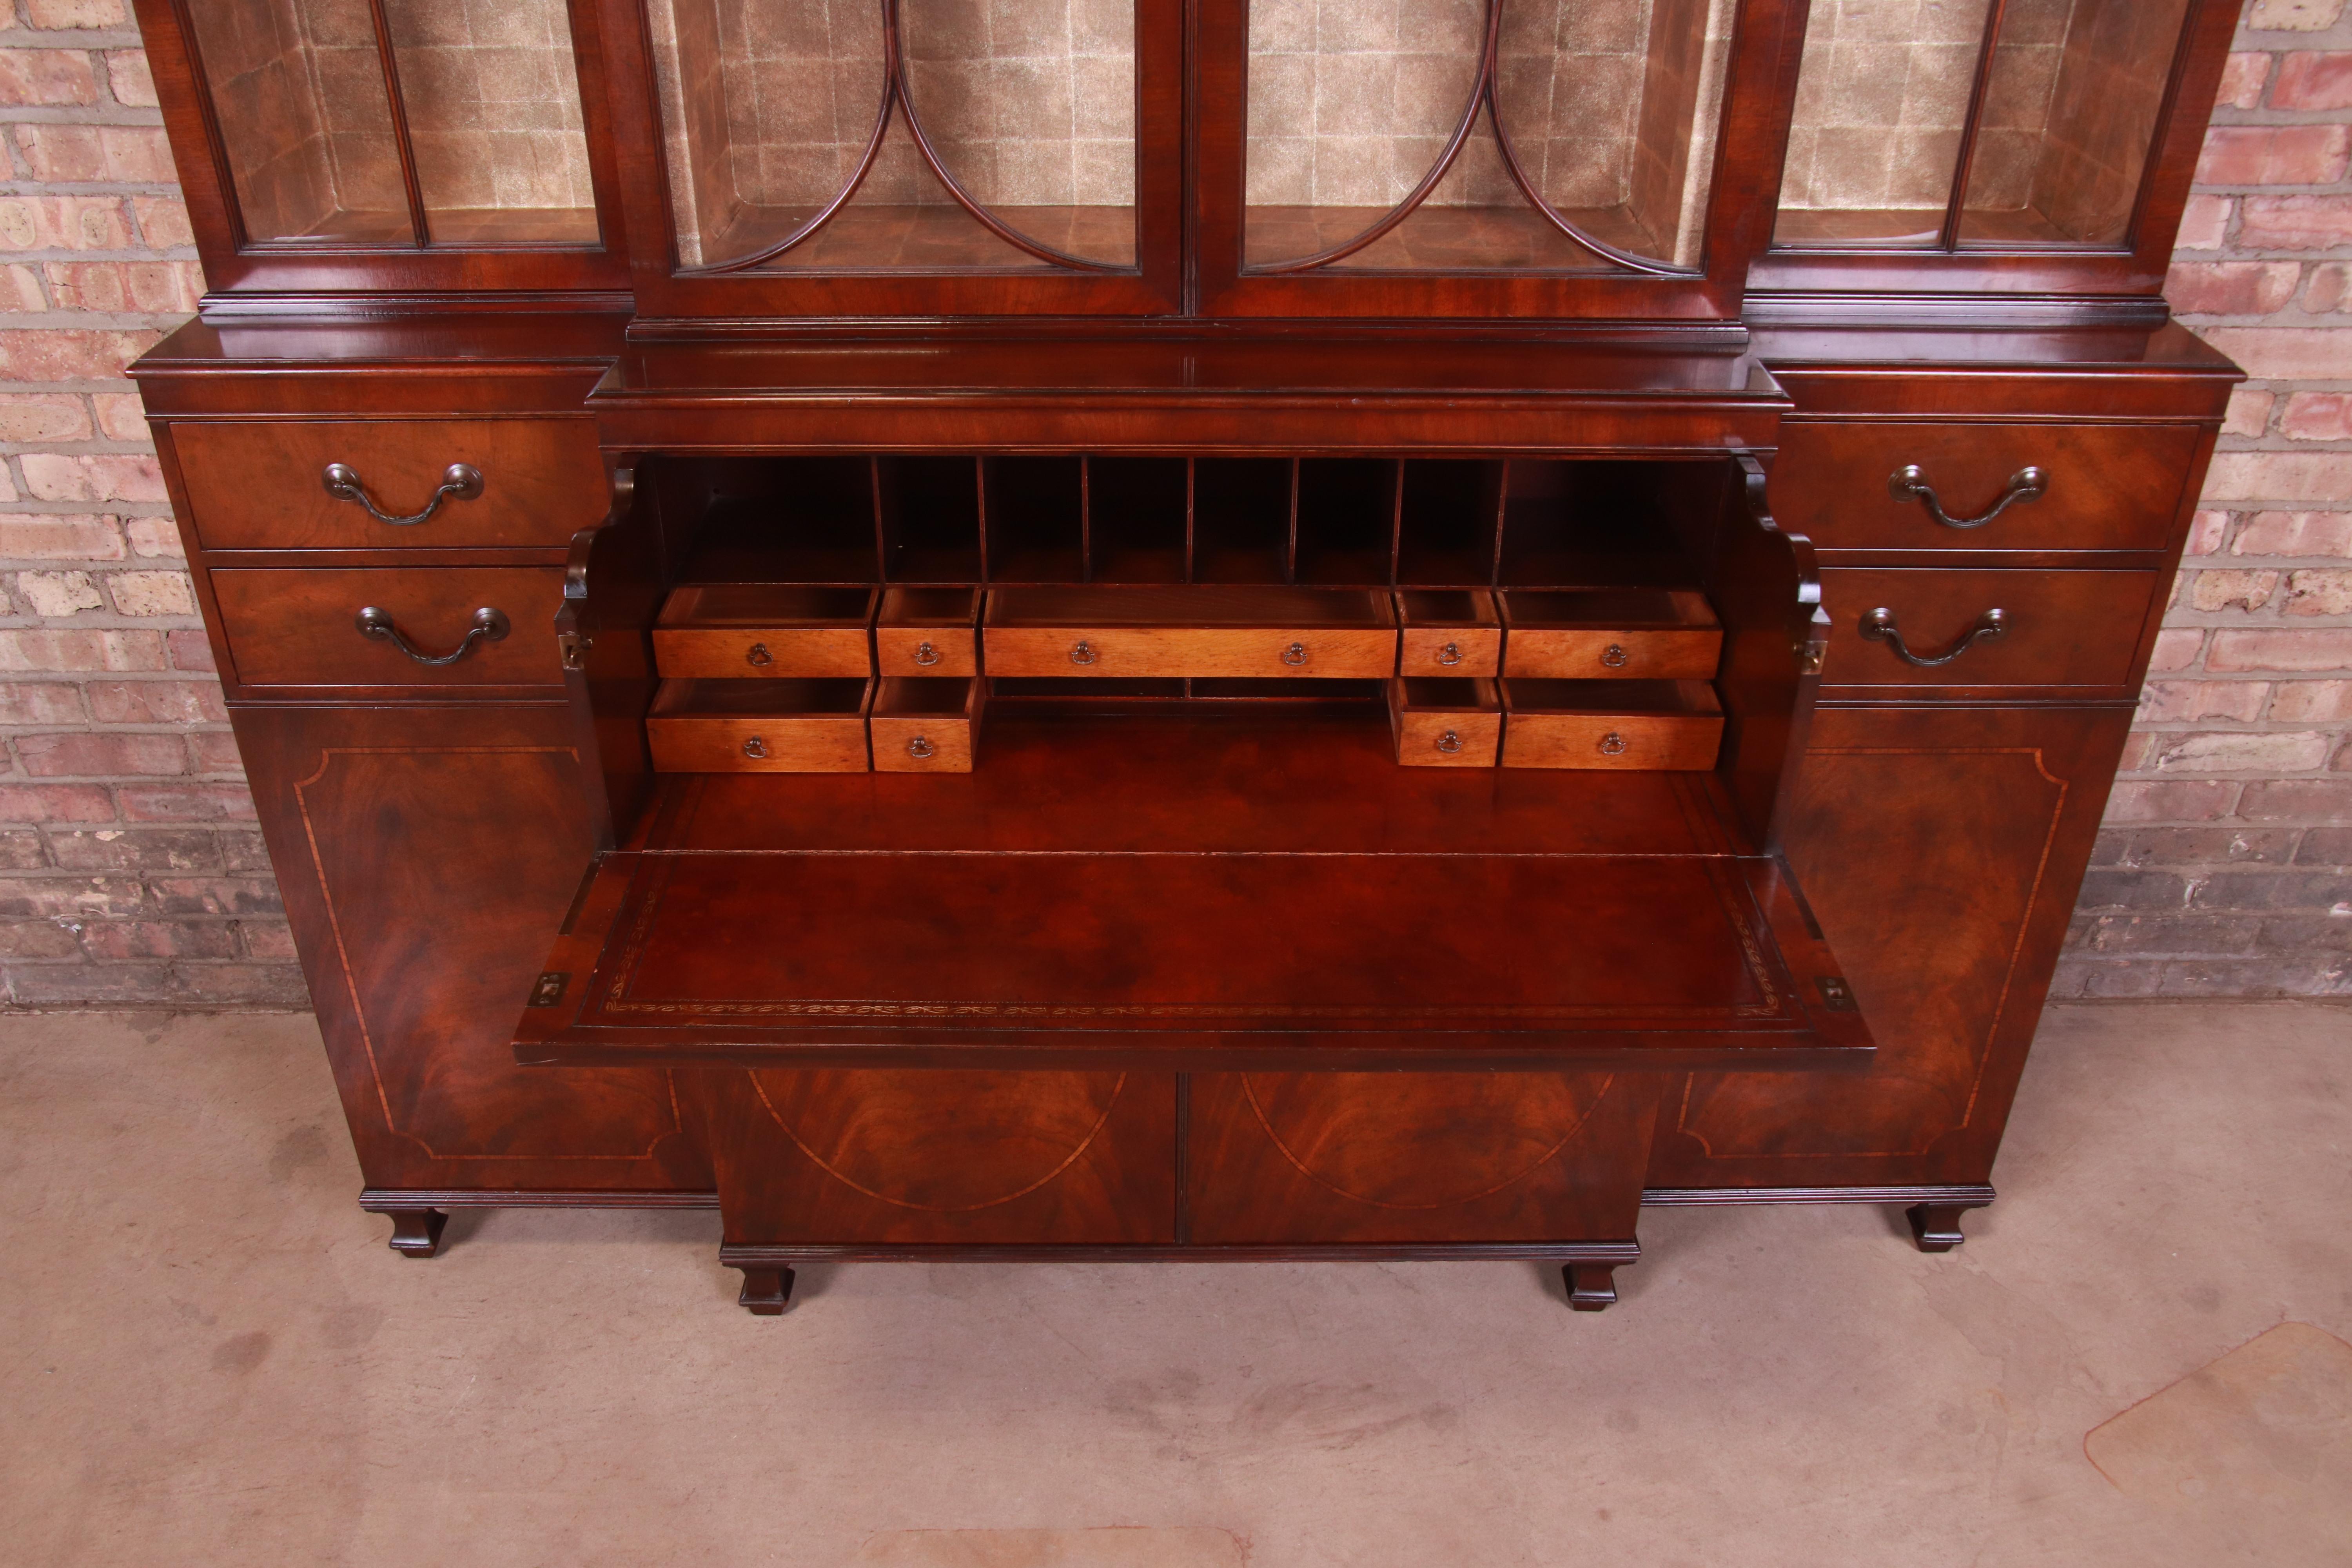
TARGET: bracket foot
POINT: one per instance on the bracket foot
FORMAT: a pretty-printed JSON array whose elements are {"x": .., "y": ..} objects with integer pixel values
[
  {"x": 1936, "y": 1226},
  {"x": 416, "y": 1233},
  {"x": 766, "y": 1291},
  {"x": 1591, "y": 1287}
]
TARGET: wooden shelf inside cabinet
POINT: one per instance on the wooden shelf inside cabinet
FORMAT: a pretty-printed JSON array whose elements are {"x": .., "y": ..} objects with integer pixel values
[
  {"x": 1190, "y": 894},
  {"x": 1191, "y": 630}
]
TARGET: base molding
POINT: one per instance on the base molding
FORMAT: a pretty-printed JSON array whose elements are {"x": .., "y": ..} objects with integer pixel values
[
  {"x": 1967, "y": 1194},
  {"x": 769, "y": 1256},
  {"x": 386, "y": 1200}
]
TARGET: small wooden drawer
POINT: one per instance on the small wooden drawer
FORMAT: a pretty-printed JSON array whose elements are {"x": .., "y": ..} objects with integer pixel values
[
  {"x": 1448, "y": 632},
  {"x": 1252, "y": 633},
  {"x": 303, "y": 627},
  {"x": 925, "y": 632},
  {"x": 1445, "y": 722},
  {"x": 788, "y": 726},
  {"x": 1609, "y": 634},
  {"x": 765, "y": 631},
  {"x": 925, "y": 724},
  {"x": 2074, "y": 630},
  {"x": 263, "y": 485},
  {"x": 1847, "y": 486},
  {"x": 1656, "y": 726}
]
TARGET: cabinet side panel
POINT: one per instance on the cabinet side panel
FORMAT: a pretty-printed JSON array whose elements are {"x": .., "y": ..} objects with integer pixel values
[
  {"x": 428, "y": 856},
  {"x": 1941, "y": 850}
]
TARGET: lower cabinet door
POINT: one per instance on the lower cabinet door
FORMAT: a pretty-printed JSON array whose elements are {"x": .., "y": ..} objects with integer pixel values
[
  {"x": 1373, "y": 1159},
  {"x": 1941, "y": 847},
  {"x": 427, "y": 855},
  {"x": 939, "y": 1156}
]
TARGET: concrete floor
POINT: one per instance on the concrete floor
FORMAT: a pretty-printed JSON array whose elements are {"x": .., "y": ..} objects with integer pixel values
[{"x": 208, "y": 1356}]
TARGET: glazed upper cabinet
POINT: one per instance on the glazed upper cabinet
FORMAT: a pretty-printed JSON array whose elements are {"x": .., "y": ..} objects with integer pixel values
[
  {"x": 392, "y": 144},
  {"x": 1964, "y": 145},
  {"x": 1518, "y": 159}
]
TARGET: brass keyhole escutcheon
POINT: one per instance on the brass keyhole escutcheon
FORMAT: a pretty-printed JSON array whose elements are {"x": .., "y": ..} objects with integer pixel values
[
  {"x": 920, "y": 747},
  {"x": 755, "y": 747},
  {"x": 1450, "y": 654},
  {"x": 926, "y": 654},
  {"x": 1449, "y": 742},
  {"x": 1615, "y": 656},
  {"x": 1296, "y": 654},
  {"x": 1083, "y": 654},
  {"x": 1612, "y": 744},
  {"x": 759, "y": 658}
]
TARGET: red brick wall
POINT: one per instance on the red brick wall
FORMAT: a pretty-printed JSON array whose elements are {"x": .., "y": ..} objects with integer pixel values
[
  {"x": 130, "y": 869},
  {"x": 2226, "y": 865}
]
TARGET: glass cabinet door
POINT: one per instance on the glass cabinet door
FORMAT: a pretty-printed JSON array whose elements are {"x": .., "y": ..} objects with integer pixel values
[
  {"x": 1456, "y": 135},
  {"x": 1946, "y": 126},
  {"x": 418, "y": 124},
  {"x": 845, "y": 136}
]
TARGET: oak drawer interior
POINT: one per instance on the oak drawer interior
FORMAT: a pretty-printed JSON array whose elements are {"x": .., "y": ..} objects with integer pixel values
[
  {"x": 789, "y": 724},
  {"x": 1671, "y": 725},
  {"x": 764, "y": 631},
  {"x": 1448, "y": 632},
  {"x": 1207, "y": 631},
  {"x": 1609, "y": 634}
]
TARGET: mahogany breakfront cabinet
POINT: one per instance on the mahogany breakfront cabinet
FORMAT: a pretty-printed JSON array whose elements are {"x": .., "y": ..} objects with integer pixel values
[{"x": 1165, "y": 628}]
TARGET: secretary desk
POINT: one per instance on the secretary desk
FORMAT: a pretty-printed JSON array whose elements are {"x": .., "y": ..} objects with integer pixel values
[{"x": 1181, "y": 628}]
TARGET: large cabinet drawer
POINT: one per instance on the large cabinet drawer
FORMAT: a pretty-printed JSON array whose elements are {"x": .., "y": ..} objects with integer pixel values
[
  {"x": 2106, "y": 487},
  {"x": 262, "y": 485},
  {"x": 301, "y": 628},
  {"x": 2073, "y": 629}
]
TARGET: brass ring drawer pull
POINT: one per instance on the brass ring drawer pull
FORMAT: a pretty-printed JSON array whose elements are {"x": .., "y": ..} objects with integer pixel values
[
  {"x": 1450, "y": 654},
  {"x": 1879, "y": 626},
  {"x": 1449, "y": 742},
  {"x": 759, "y": 658},
  {"x": 925, "y": 654},
  {"x": 920, "y": 747},
  {"x": 1612, "y": 744},
  {"x": 460, "y": 482},
  {"x": 1615, "y": 656},
  {"x": 489, "y": 626},
  {"x": 756, "y": 747},
  {"x": 1083, "y": 654},
  {"x": 1910, "y": 483},
  {"x": 1296, "y": 654}
]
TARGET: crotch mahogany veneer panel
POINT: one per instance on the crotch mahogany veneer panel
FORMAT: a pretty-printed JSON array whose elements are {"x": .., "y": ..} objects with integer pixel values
[
  {"x": 939, "y": 1156},
  {"x": 928, "y": 923},
  {"x": 1373, "y": 1158}
]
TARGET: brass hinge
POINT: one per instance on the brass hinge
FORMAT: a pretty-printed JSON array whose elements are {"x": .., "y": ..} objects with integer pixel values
[
  {"x": 1809, "y": 657},
  {"x": 1836, "y": 995},
  {"x": 548, "y": 990},
  {"x": 574, "y": 648}
]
